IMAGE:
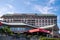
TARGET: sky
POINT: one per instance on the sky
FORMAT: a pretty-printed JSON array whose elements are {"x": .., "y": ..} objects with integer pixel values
[{"x": 31, "y": 6}]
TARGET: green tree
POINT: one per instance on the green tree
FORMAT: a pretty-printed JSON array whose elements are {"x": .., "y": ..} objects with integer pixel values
[{"x": 6, "y": 30}]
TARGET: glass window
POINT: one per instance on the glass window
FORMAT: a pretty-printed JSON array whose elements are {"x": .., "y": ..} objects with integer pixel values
[
  {"x": 42, "y": 21},
  {"x": 17, "y": 29},
  {"x": 48, "y": 21},
  {"x": 55, "y": 21},
  {"x": 45, "y": 21}
]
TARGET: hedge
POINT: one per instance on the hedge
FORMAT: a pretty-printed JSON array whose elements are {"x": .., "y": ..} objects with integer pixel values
[{"x": 49, "y": 39}]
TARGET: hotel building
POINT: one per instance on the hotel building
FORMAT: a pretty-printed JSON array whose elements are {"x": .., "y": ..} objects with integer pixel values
[{"x": 44, "y": 21}]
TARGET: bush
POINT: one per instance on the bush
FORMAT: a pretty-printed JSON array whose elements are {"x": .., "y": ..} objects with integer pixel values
[{"x": 49, "y": 39}]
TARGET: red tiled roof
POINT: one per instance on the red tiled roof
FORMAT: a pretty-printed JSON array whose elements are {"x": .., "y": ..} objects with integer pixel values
[{"x": 39, "y": 30}]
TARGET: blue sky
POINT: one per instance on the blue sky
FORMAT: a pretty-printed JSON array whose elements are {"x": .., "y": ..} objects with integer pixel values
[{"x": 31, "y": 6}]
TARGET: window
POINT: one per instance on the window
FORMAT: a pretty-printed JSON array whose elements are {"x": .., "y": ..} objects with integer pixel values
[
  {"x": 42, "y": 21},
  {"x": 17, "y": 29},
  {"x": 31, "y": 22},
  {"x": 45, "y": 21},
  {"x": 48, "y": 21},
  {"x": 55, "y": 21}
]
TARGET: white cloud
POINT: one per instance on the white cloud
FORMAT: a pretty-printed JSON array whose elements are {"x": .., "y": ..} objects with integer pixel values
[
  {"x": 43, "y": 9},
  {"x": 8, "y": 8},
  {"x": 48, "y": 9},
  {"x": 51, "y": 2}
]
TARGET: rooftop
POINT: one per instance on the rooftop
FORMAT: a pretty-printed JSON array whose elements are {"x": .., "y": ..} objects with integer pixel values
[{"x": 17, "y": 14}]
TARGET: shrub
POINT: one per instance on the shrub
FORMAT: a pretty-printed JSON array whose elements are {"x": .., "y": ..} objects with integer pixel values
[{"x": 49, "y": 38}]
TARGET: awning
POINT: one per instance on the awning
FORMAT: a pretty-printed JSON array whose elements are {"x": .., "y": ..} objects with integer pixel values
[{"x": 39, "y": 30}]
